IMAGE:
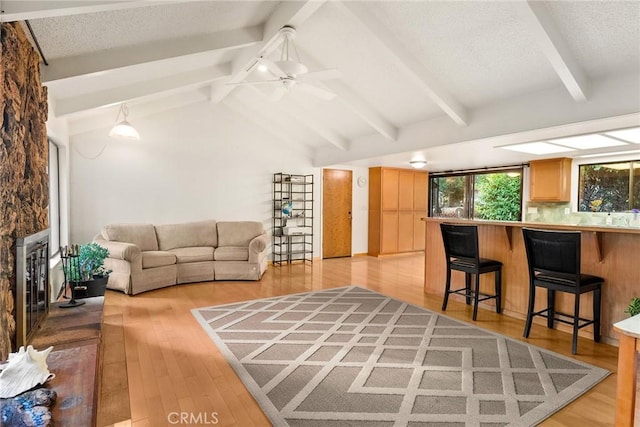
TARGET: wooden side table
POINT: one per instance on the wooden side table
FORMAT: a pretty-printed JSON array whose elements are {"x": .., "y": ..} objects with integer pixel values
[
  {"x": 629, "y": 330},
  {"x": 75, "y": 334}
]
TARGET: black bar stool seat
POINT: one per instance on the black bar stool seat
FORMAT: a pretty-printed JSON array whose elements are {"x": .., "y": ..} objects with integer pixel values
[
  {"x": 462, "y": 254},
  {"x": 554, "y": 264}
]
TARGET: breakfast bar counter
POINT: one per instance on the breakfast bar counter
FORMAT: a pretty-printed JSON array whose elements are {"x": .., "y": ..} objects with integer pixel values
[{"x": 609, "y": 252}]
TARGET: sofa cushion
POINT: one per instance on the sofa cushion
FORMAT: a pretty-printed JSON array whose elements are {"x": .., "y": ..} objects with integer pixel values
[
  {"x": 190, "y": 234},
  {"x": 231, "y": 253},
  {"x": 193, "y": 254},
  {"x": 141, "y": 235},
  {"x": 152, "y": 259},
  {"x": 238, "y": 233}
]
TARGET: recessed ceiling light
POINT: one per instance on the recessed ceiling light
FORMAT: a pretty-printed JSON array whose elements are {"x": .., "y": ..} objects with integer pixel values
[
  {"x": 631, "y": 135},
  {"x": 614, "y": 153},
  {"x": 587, "y": 142},
  {"x": 262, "y": 68},
  {"x": 536, "y": 148}
]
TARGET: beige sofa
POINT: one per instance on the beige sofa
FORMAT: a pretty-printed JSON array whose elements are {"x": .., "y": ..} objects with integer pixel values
[{"x": 143, "y": 257}]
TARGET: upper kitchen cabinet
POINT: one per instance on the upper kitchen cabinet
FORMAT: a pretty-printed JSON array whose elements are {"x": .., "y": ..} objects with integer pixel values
[{"x": 550, "y": 180}]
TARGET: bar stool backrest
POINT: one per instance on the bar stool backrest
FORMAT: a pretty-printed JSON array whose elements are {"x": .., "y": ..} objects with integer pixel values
[
  {"x": 555, "y": 253},
  {"x": 460, "y": 243}
]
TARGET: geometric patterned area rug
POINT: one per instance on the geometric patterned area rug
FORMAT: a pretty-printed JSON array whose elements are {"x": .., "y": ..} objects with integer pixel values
[{"x": 353, "y": 357}]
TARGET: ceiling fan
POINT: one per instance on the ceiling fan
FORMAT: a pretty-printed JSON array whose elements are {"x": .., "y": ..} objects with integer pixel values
[{"x": 290, "y": 73}]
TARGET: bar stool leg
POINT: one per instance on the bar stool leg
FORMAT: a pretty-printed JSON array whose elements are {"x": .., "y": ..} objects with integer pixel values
[
  {"x": 498, "y": 278},
  {"x": 576, "y": 321},
  {"x": 596, "y": 315},
  {"x": 551, "y": 308},
  {"x": 467, "y": 285},
  {"x": 532, "y": 302},
  {"x": 447, "y": 289},
  {"x": 476, "y": 295}
]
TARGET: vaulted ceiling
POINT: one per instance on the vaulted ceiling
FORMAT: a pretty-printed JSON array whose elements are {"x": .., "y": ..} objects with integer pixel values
[{"x": 416, "y": 76}]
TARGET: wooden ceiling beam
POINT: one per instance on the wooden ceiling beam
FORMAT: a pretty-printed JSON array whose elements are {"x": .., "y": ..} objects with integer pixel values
[
  {"x": 20, "y": 10},
  {"x": 131, "y": 56},
  {"x": 417, "y": 72},
  {"x": 158, "y": 87},
  {"x": 553, "y": 46}
]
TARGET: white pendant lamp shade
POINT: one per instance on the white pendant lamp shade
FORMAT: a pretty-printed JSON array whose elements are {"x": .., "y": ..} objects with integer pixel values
[{"x": 123, "y": 129}]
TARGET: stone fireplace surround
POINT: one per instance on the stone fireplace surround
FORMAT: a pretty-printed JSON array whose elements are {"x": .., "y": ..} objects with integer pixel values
[{"x": 24, "y": 188}]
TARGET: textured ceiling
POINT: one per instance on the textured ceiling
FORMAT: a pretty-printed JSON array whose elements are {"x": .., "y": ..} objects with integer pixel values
[
  {"x": 66, "y": 36},
  {"x": 415, "y": 74}
]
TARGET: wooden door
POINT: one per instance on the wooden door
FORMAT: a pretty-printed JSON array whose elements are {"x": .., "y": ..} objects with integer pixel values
[
  {"x": 390, "y": 189},
  {"x": 336, "y": 213},
  {"x": 405, "y": 231},
  {"x": 405, "y": 191},
  {"x": 389, "y": 233}
]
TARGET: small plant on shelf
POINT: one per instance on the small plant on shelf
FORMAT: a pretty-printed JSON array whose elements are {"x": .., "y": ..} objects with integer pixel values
[{"x": 634, "y": 307}]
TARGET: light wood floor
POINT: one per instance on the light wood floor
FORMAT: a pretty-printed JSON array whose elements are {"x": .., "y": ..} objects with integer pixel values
[{"x": 158, "y": 360}]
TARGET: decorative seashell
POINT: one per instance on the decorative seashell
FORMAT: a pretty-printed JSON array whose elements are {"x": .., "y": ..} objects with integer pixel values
[{"x": 26, "y": 369}]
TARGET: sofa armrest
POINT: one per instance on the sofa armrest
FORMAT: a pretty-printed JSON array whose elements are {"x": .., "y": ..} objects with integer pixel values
[
  {"x": 120, "y": 250},
  {"x": 258, "y": 246}
]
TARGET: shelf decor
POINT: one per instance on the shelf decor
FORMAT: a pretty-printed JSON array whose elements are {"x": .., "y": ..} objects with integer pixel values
[{"x": 292, "y": 234}]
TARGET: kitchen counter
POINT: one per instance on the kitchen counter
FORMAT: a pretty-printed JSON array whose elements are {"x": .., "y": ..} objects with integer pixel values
[{"x": 607, "y": 251}]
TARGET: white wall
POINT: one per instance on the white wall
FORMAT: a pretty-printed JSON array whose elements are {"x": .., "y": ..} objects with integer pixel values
[{"x": 197, "y": 162}]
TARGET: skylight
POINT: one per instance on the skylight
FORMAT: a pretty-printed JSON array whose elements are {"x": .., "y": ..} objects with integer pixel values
[
  {"x": 631, "y": 135},
  {"x": 537, "y": 148},
  {"x": 587, "y": 142}
]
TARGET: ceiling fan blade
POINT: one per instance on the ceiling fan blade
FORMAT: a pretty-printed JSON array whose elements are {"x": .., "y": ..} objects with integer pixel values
[
  {"x": 271, "y": 66},
  {"x": 330, "y": 74},
  {"x": 277, "y": 94},
  {"x": 315, "y": 90},
  {"x": 257, "y": 82}
]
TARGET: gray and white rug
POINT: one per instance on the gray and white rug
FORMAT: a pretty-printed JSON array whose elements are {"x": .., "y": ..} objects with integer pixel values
[{"x": 353, "y": 357}]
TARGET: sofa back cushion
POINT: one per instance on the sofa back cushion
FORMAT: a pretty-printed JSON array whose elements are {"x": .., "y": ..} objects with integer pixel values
[
  {"x": 238, "y": 233},
  {"x": 141, "y": 235},
  {"x": 187, "y": 235}
]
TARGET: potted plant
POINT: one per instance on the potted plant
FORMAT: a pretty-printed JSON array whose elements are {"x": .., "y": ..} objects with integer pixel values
[
  {"x": 634, "y": 307},
  {"x": 88, "y": 275}
]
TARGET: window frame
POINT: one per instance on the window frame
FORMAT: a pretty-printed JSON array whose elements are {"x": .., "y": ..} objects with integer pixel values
[
  {"x": 469, "y": 188},
  {"x": 630, "y": 196},
  {"x": 54, "y": 199}
]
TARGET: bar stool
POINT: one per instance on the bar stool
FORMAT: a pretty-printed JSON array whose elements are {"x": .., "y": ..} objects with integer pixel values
[
  {"x": 554, "y": 264},
  {"x": 461, "y": 251}
]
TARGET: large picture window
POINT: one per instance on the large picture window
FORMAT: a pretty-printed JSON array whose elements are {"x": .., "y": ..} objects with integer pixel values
[
  {"x": 495, "y": 195},
  {"x": 609, "y": 187}
]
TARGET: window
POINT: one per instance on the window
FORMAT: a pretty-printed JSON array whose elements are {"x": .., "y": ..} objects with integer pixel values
[
  {"x": 609, "y": 187},
  {"x": 54, "y": 199},
  {"x": 477, "y": 195}
]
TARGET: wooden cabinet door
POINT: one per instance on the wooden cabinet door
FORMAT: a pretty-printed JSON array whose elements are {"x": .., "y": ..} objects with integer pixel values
[
  {"x": 550, "y": 180},
  {"x": 405, "y": 231},
  {"x": 405, "y": 190},
  {"x": 389, "y": 233},
  {"x": 390, "y": 189},
  {"x": 420, "y": 184},
  {"x": 418, "y": 231}
]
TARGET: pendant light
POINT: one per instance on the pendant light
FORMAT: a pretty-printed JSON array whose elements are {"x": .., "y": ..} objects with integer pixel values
[{"x": 123, "y": 129}]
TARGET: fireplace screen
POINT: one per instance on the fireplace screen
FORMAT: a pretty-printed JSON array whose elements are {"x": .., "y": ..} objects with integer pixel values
[{"x": 32, "y": 284}]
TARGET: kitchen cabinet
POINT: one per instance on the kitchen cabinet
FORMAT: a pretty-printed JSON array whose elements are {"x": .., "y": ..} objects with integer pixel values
[
  {"x": 397, "y": 202},
  {"x": 550, "y": 180}
]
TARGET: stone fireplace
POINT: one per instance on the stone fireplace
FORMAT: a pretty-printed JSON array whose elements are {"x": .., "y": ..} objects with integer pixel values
[{"x": 24, "y": 188}]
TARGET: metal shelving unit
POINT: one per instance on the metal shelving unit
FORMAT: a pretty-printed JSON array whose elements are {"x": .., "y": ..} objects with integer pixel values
[{"x": 292, "y": 218}]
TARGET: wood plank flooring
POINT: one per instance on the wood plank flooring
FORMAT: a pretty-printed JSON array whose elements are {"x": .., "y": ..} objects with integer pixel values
[{"x": 158, "y": 362}]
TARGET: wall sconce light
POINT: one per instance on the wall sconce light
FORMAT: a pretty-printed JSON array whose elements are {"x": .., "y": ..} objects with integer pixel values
[
  {"x": 418, "y": 164},
  {"x": 123, "y": 129}
]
